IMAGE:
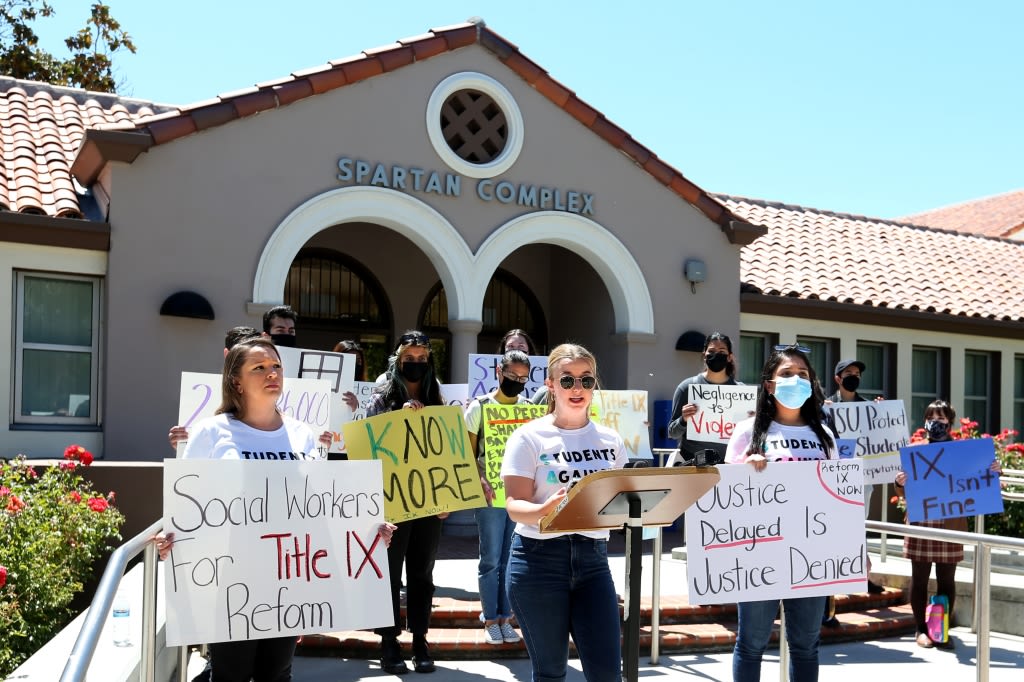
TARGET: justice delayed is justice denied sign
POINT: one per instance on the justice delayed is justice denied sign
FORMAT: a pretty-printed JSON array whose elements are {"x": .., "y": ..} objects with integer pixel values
[
  {"x": 795, "y": 529},
  {"x": 273, "y": 548}
]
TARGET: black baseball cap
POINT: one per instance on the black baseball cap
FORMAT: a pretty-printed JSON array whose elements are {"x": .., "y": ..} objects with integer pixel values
[{"x": 843, "y": 364}]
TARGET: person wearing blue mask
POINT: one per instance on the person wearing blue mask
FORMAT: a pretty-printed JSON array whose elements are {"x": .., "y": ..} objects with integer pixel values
[{"x": 786, "y": 426}]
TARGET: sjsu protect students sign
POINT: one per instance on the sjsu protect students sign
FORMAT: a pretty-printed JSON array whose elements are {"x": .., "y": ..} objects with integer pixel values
[
  {"x": 879, "y": 429},
  {"x": 273, "y": 548},
  {"x": 429, "y": 467},
  {"x": 795, "y": 529}
]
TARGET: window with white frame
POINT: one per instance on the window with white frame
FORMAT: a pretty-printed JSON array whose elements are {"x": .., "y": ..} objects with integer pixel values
[
  {"x": 56, "y": 349},
  {"x": 981, "y": 389},
  {"x": 1018, "y": 397},
  {"x": 877, "y": 379},
  {"x": 929, "y": 381}
]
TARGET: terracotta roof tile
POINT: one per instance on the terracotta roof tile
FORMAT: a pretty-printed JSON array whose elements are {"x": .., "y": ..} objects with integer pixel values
[
  {"x": 1001, "y": 215},
  {"x": 41, "y": 129},
  {"x": 810, "y": 253}
]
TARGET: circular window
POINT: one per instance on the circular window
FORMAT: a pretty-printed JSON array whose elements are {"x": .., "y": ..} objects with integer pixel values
[{"x": 474, "y": 125}]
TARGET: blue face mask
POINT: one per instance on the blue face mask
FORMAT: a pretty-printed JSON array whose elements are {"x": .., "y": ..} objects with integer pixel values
[{"x": 792, "y": 392}]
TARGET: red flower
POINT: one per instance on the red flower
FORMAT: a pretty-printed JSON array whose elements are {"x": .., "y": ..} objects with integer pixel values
[
  {"x": 3, "y": 576},
  {"x": 85, "y": 458},
  {"x": 75, "y": 496},
  {"x": 31, "y": 472},
  {"x": 70, "y": 466},
  {"x": 97, "y": 504},
  {"x": 77, "y": 452},
  {"x": 15, "y": 505},
  {"x": 4, "y": 491}
]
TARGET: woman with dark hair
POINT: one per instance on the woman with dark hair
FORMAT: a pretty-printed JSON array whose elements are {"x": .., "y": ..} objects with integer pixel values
[
  {"x": 516, "y": 339},
  {"x": 410, "y": 383},
  {"x": 247, "y": 425},
  {"x": 719, "y": 368},
  {"x": 350, "y": 347},
  {"x": 939, "y": 416},
  {"x": 559, "y": 584},
  {"x": 786, "y": 426}
]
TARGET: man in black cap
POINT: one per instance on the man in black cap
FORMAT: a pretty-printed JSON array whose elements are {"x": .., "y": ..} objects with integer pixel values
[{"x": 847, "y": 379}]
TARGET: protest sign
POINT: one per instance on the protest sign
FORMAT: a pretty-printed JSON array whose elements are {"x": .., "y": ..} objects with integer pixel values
[
  {"x": 951, "y": 479},
  {"x": 307, "y": 400},
  {"x": 878, "y": 427},
  {"x": 795, "y": 529},
  {"x": 428, "y": 465},
  {"x": 455, "y": 394},
  {"x": 499, "y": 421},
  {"x": 483, "y": 378},
  {"x": 337, "y": 368},
  {"x": 273, "y": 548},
  {"x": 626, "y": 413},
  {"x": 846, "y": 448},
  {"x": 719, "y": 408}
]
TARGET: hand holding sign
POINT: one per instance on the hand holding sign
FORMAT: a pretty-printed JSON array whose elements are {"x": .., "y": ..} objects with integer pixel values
[
  {"x": 951, "y": 479},
  {"x": 719, "y": 408}
]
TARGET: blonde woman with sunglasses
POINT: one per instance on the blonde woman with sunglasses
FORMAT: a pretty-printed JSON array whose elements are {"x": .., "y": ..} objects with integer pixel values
[{"x": 559, "y": 583}]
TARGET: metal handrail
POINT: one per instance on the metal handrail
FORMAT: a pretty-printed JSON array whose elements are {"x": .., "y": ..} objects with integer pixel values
[
  {"x": 1012, "y": 477},
  {"x": 982, "y": 565},
  {"x": 88, "y": 637}
]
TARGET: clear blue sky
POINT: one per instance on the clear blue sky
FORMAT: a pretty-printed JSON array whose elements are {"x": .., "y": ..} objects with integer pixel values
[{"x": 874, "y": 107}]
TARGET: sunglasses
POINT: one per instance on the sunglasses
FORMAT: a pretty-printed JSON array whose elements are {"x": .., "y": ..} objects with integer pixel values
[
  {"x": 569, "y": 382},
  {"x": 792, "y": 346},
  {"x": 414, "y": 340}
]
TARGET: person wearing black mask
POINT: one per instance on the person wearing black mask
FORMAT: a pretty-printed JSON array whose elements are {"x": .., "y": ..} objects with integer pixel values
[
  {"x": 719, "y": 368},
  {"x": 410, "y": 383},
  {"x": 493, "y": 523},
  {"x": 279, "y": 325}
]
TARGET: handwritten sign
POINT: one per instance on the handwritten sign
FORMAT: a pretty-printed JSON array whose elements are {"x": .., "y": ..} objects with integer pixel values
[
  {"x": 719, "y": 408},
  {"x": 879, "y": 427},
  {"x": 951, "y": 479},
  {"x": 455, "y": 394},
  {"x": 626, "y": 413},
  {"x": 428, "y": 465},
  {"x": 795, "y": 529},
  {"x": 270, "y": 549},
  {"x": 307, "y": 400},
  {"x": 338, "y": 369},
  {"x": 483, "y": 378},
  {"x": 499, "y": 422}
]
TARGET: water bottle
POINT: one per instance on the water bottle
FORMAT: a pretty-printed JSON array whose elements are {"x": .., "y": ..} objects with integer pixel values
[{"x": 122, "y": 625}]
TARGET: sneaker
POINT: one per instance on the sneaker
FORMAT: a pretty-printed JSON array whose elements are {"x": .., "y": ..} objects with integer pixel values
[
  {"x": 509, "y": 634},
  {"x": 924, "y": 641},
  {"x": 493, "y": 634}
]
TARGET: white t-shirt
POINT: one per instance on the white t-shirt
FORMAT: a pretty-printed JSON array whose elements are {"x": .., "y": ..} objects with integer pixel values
[
  {"x": 782, "y": 443},
  {"x": 224, "y": 437},
  {"x": 556, "y": 458}
]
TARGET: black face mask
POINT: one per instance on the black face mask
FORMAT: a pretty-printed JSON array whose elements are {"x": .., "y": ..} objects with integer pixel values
[
  {"x": 283, "y": 340},
  {"x": 511, "y": 388},
  {"x": 413, "y": 371},
  {"x": 937, "y": 431},
  {"x": 851, "y": 382},
  {"x": 717, "y": 362}
]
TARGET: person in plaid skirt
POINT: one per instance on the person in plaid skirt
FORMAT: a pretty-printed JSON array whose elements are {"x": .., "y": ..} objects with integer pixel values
[{"x": 938, "y": 417}]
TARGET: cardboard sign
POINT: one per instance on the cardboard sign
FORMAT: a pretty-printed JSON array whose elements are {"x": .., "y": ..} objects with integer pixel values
[
  {"x": 719, "y": 408},
  {"x": 338, "y": 369},
  {"x": 429, "y": 467},
  {"x": 483, "y": 378},
  {"x": 881, "y": 468},
  {"x": 455, "y": 394},
  {"x": 951, "y": 479},
  {"x": 499, "y": 421},
  {"x": 307, "y": 400},
  {"x": 273, "y": 548},
  {"x": 879, "y": 427},
  {"x": 795, "y": 529},
  {"x": 626, "y": 413}
]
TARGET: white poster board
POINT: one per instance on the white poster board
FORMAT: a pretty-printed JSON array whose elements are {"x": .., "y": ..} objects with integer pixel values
[
  {"x": 273, "y": 548},
  {"x": 307, "y": 400},
  {"x": 338, "y": 369},
  {"x": 880, "y": 429},
  {"x": 795, "y": 529},
  {"x": 483, "y": 379},
  {"x": 626, "y": 413},
  {"x": 719, "y": 408}
]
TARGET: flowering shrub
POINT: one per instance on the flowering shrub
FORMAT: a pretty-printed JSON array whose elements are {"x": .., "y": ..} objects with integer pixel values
[
  {"x": 1010, "y": 455},
  {"x": 53, "y": 526}
]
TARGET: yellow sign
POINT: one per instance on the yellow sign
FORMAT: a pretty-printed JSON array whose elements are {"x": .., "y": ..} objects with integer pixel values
[
  {"x": 499, "y": 423},
  {"x": 429, "y": 467}
]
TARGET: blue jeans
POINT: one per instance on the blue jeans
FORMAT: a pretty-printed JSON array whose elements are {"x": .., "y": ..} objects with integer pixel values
[
  {"x": 803, "y": 629},
  {"x": 561, "y": 587},
  {"x": 495, "y": 529}
]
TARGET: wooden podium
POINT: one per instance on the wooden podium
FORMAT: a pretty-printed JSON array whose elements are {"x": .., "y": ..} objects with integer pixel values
[{"x": 632, "y": 498}]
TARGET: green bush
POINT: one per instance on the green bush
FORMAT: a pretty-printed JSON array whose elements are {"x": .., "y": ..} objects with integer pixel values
[{"x": 53, "y": 526}]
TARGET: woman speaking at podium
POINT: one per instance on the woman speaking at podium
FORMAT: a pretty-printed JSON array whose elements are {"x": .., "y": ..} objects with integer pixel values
[{"x": 559, "y": 583}]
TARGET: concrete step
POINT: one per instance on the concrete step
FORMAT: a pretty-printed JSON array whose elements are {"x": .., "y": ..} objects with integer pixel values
[{"x": 457, "y": 634}]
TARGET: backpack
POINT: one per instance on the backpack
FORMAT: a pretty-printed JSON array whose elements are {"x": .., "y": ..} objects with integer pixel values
[{"x": 936, "y": 618}]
